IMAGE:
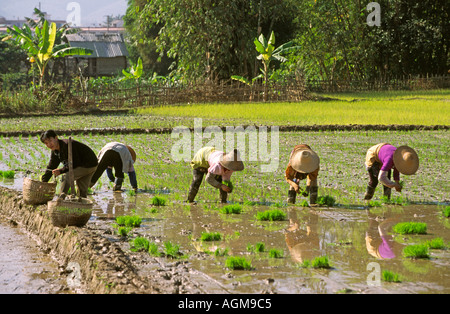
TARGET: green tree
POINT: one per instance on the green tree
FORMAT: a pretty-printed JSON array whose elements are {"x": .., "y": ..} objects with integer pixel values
[{"x": 41, "y": 45}]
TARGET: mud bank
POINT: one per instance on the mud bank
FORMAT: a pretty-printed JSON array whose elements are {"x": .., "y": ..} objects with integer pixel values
[
  {"x": 281, "y": 128},
  {"x": 100, "y": 266}
]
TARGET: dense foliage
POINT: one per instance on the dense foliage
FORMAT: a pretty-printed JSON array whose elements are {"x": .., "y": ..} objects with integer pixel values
[{"x": 214, "y": 39}]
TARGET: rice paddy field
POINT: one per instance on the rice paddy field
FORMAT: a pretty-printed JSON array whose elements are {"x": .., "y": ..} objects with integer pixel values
[{"x": 353, "y": 241}]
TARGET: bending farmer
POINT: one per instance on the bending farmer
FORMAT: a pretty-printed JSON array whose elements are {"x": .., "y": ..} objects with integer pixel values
[
  {"x": 303, "y": 164},
  {"x": 381, "y": 159},
  {"x": 83, "y": 158},
  {"x": 218, "y": 166},
  {"x": 120, "y": 157}
]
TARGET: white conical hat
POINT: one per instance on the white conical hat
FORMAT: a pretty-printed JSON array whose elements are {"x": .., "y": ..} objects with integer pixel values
[{"x": 304, "y": 160}]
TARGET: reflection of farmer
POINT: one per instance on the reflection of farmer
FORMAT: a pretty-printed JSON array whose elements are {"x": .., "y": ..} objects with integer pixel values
[
  {"x": 381, "y": 158},
  {"x": 379, "y": 243},
  {"x": 218, "y": 166},
  {"x": 120, "y": 157},
  {"x": 83, "y": 159},
  {"x": 303, "y": 245},
  {"x": 303, "y": 164}
]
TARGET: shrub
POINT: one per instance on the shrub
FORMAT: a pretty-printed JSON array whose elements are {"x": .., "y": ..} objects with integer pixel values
[
  {"x": 271, "y": 215},
  {"x": 410, "y": 228}
]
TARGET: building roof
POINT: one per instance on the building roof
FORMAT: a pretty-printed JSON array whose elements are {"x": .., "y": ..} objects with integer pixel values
[{"x": 105, "y": 45}]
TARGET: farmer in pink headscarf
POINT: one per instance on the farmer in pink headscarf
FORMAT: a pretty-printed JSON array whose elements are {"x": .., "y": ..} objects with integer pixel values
[{"x": 381, "y": 159}]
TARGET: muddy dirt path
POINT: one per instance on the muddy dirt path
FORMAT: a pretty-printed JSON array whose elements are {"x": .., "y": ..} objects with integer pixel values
[{"x": 24, "y": 269}]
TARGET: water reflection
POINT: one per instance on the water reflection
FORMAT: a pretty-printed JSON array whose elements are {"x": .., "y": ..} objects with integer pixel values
[
  {"x": 112, "y": 204},
  {"x": 302, "y": 241}
]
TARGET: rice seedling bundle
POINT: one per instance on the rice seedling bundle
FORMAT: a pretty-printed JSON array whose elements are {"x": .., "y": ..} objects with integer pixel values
[
  {"x": 416, "y": 251},
  {"x": 240, "y": 263},
  {"x": 410, "y": 228},
  {"x": 271, "y": 215}
]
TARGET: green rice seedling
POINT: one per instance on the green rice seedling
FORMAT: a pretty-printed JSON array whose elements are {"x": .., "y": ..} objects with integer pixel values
[
  {"x": 374, "y": 204},
  {"x": 8, "y": 174},
  {"x": 318, "y": 262},
  {"x": 228, "y": 184},
  {"x": 326, "y": 200},
  {"x": 139, "y": 244},
  {"x": 436, "y": 243},
  {"x": 221, "y": 252},
  {"x": 123, "y": 231},
  {"x": 231, "y": 209},
  {"x": 211, "y": 236},
  {"x": 446, "y": 211},
  {"x": 250, "y": 203},
  {"x": 129, "y": 221},
  {"x": 239, "y": 263},
  {"x": 158, "y": 201},
  {"x": 271, "y": 215},
  {"x": 390, "y": 276},
  {"x": 172, "y": 250},
  {"x": 257, "y": 248},
  {"x": 275, "y": 253},
  {"x": 304, "y": 203},
  {"x": 416, "y": 251},
  {"x": 397, "y": 200},
  {"x": 131, "y": 193},
  {"x": 153, "y": 250},
  {"x": 410, "y": 228}
]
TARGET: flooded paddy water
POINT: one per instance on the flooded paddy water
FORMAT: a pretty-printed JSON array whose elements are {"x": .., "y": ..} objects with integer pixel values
[{"x": 358, "y": 241}]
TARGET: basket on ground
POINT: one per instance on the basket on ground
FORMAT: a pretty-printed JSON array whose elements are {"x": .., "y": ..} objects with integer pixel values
[
  {"x": 37, "y": 192},
  {"x": 73, "y": 212}
]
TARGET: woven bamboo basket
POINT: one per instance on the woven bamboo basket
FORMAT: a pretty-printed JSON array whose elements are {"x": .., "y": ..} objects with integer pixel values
[
  {"x": 37, "y": 192},
  {"x": 73, "y": 212}
]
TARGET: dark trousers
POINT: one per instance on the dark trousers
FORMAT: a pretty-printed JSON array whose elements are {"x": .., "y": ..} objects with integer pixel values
[
  {"x": 197, "y": 179},
  {"x": 374, "y": 171},
  {"x": 109, "y": 159}
]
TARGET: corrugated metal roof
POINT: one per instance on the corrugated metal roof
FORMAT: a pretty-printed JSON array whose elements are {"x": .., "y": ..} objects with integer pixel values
[{"x": 102, "y": 45}]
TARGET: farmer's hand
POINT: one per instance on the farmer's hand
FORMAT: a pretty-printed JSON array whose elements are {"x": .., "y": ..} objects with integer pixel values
[
  {"x": 398, "y": 187},
  {"x": 296, "y": 187},
  {"x": 56, "y": 172},
  {"x": 225, "y": 188}
]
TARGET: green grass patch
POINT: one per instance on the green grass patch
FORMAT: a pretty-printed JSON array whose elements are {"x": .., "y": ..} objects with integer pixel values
[
  {"x": 257, "y": 248},
  {"x": 318, "y": 262},
  {"x": 446, "y": 211},
  {"x": 129, "y": 221},
  {"x": 271, "y": 215},
  {"x": 231, "y": 209},
  {"x": 390, "y": 276},
  {"x": 211, "y": 236},
  {"x": 8, "y": 174},
  {"x": 238, "y": 263},
  {"x": 410, "y": 228},
  {"x": 158, "y": 201},
  {"x": 436, "y": 244},
  {"x": 416, "y": 251},
  {"x": 275, "y": 253},
  {"x": 326, "y": 200}
]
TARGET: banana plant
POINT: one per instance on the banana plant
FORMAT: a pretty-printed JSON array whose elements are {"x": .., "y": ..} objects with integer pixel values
[
  {"x": 41, "y": 45},
  {"x": 135, "y": 73},
  {"x": 268, "y": 53}
]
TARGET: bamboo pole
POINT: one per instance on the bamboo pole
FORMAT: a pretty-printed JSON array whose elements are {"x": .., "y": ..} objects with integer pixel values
[{"x": 71, "y": 176}]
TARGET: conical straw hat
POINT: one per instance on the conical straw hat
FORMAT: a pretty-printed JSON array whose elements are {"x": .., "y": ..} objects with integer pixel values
[
  {"x": 406, "y": 160},
  {"x": 304, "y": 161},
  {"x": 232, "y": 161}
]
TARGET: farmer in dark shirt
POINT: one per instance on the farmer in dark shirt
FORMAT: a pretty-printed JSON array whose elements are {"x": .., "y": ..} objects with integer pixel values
[{"x": 84, "y": 162}]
